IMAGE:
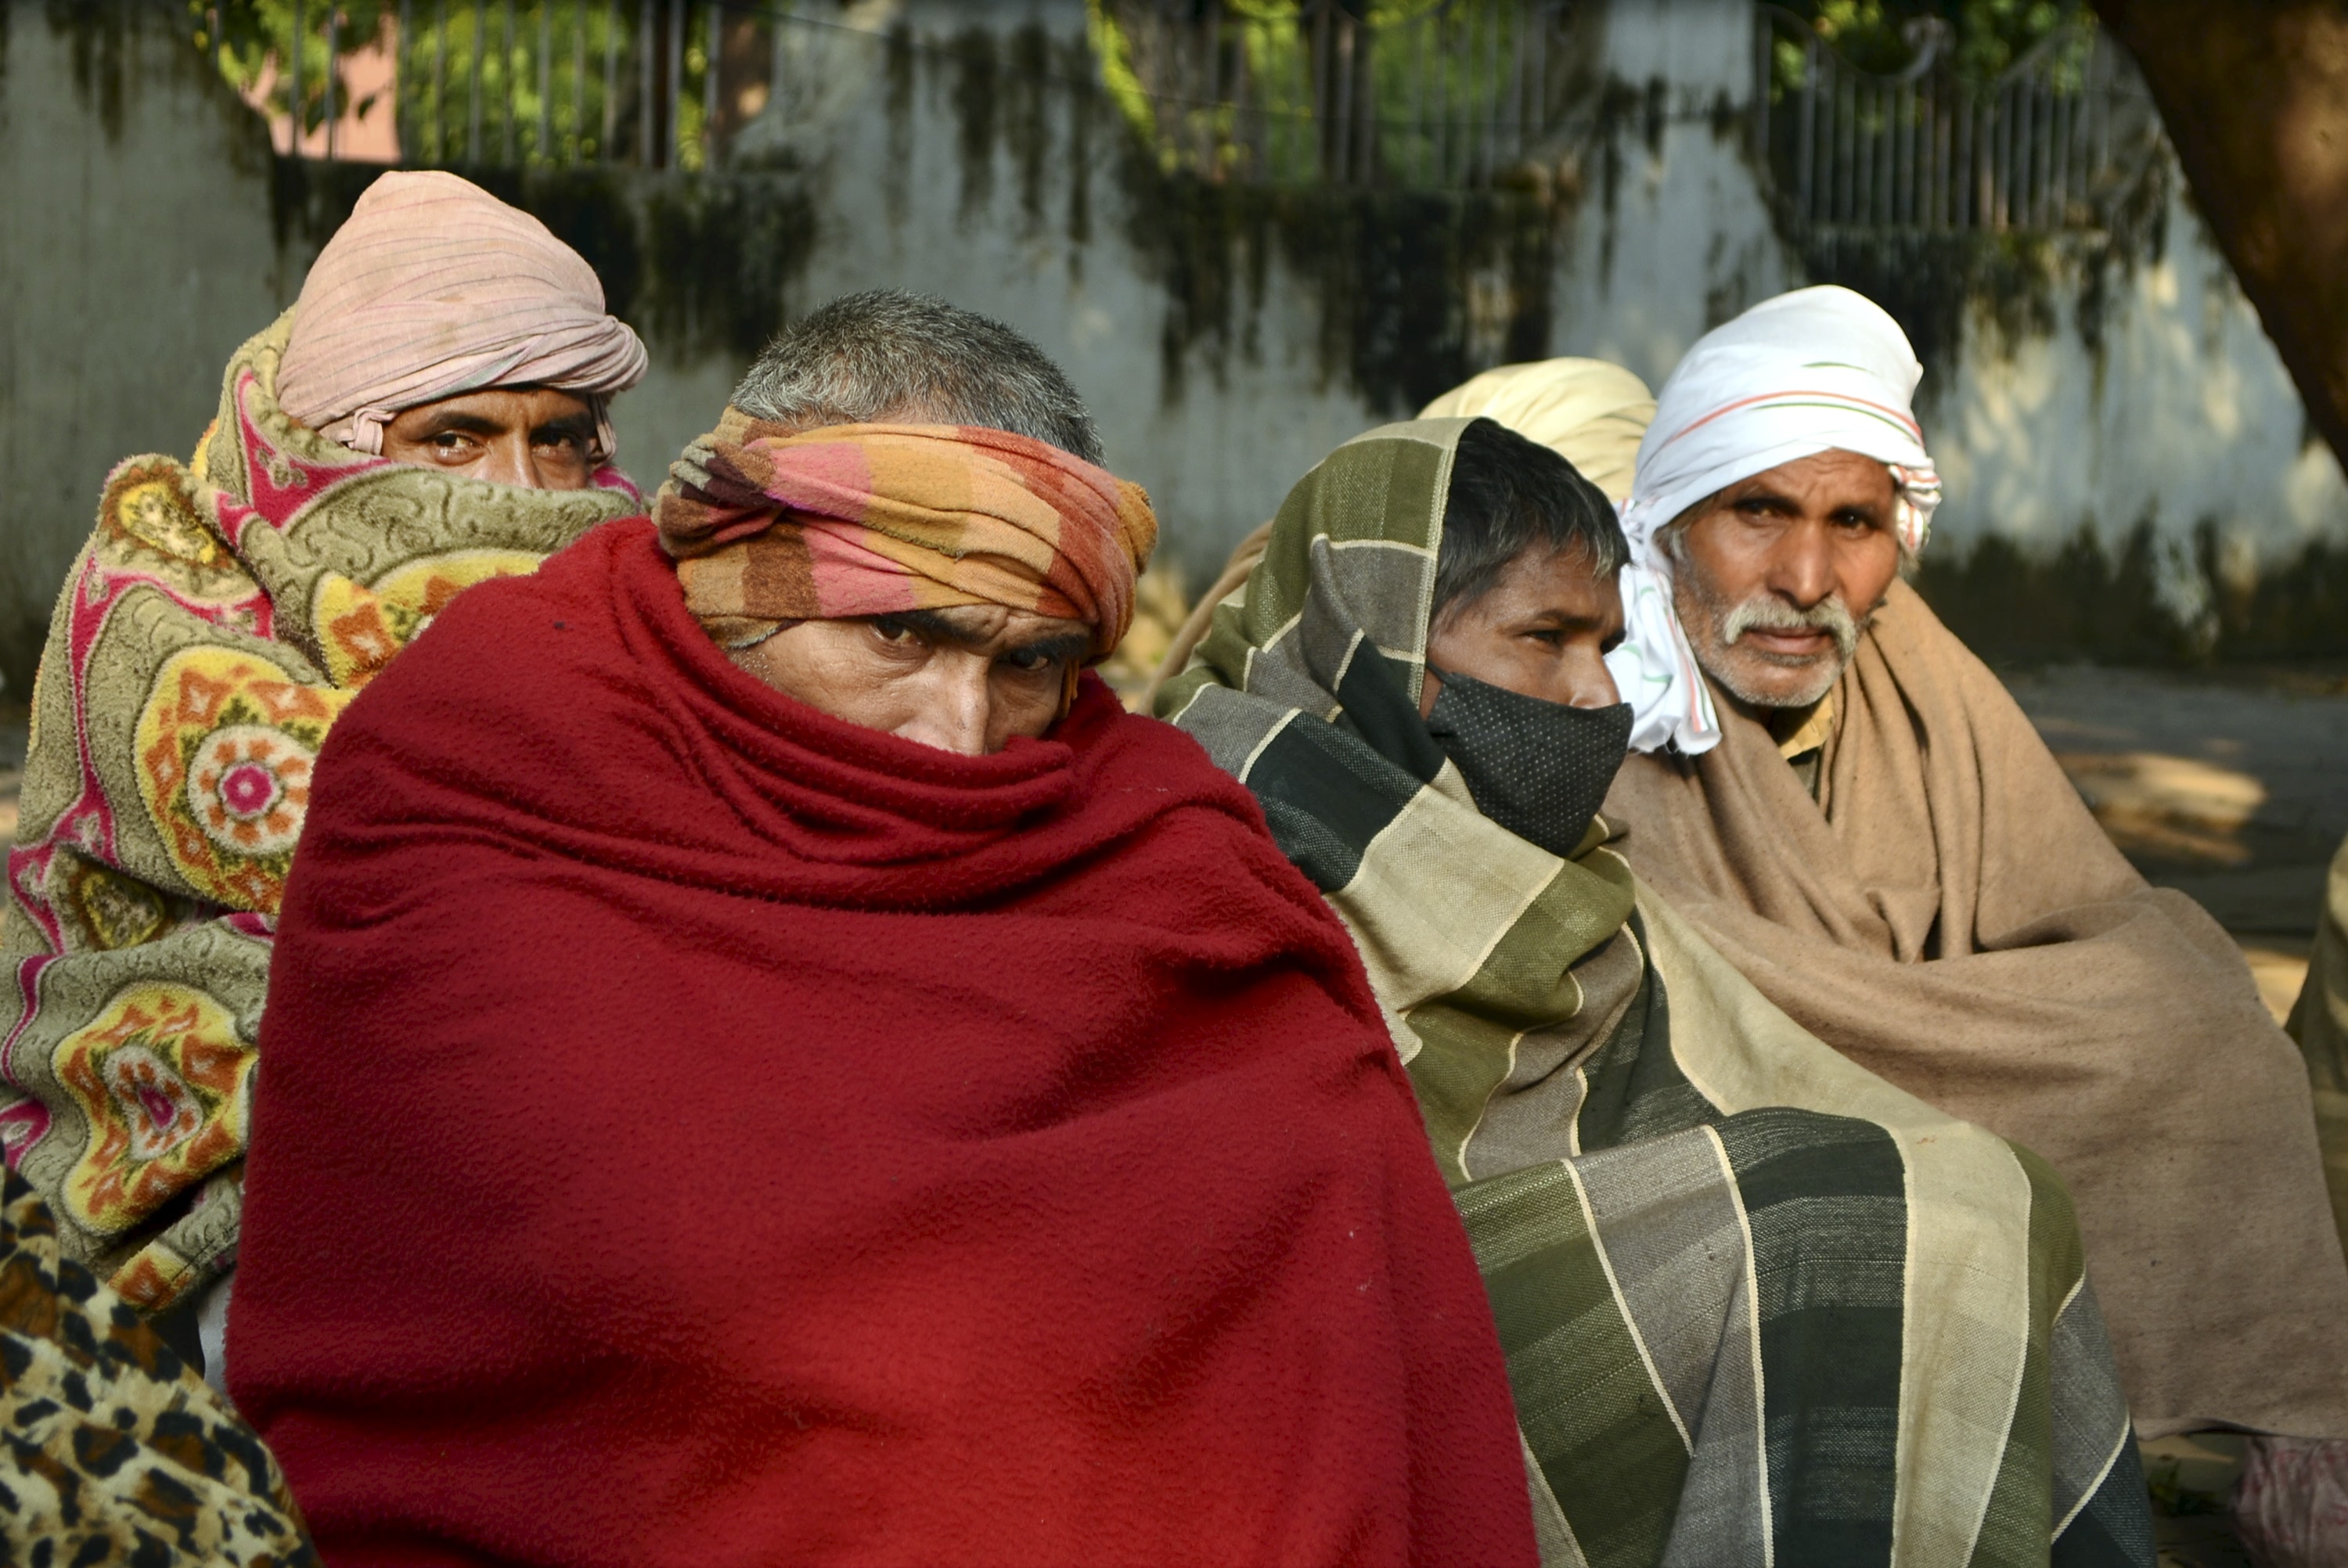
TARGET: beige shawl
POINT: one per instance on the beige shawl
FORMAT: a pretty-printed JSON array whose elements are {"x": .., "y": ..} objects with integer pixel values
[{"x": 1949, "y": 916}]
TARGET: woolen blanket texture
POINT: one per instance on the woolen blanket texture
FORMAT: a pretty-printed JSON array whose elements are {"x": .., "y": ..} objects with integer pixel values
[
  {"x": 222, "y": 613},
  {"x": 1758, "y": 1305},
  {"x": 701, "y": 1132},
  {"x": 1948, "y": 915}
]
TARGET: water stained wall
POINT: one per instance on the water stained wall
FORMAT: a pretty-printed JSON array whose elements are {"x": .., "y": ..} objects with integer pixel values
[{"x": 2080, "y": 395}]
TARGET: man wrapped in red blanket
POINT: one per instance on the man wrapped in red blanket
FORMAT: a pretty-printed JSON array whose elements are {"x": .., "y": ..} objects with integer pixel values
[{"x": 764, "y": 1064}]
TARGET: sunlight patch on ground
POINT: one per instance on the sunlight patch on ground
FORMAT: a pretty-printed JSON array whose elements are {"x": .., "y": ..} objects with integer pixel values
[
  {"x": 2280, "y": 966},
  {"x": 2158, "y": 804}
]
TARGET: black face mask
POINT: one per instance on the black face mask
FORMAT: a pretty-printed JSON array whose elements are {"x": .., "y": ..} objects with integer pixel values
[{"x": 1538, "y": 769}]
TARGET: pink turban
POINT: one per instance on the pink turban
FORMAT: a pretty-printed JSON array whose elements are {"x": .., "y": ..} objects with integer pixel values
[{"x": 435, "y": 287}]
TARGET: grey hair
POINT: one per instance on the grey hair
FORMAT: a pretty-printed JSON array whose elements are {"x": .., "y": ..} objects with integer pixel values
[{"x": 887, "y": 353}]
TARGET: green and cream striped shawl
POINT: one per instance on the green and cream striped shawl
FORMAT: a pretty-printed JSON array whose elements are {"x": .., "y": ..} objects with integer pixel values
[{"x": 1760, "y": 1306}]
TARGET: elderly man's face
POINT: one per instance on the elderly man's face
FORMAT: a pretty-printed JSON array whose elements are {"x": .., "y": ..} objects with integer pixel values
[
  {"x": 1775, "y": 576},
  {"x": 533, "y": 437},
  {"x": 968, "y": 679},
  {"x": 1543, "y": 630}
]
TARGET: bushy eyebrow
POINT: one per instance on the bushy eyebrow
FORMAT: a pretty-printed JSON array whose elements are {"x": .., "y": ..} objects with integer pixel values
[
  {"x": 1060, "y": 645},
  {"x": 1870, "y": 510},
  {"x": 937, "y": 628},
  {"x": 578, "y": 427},
  {"x": 456, "y": 421}
]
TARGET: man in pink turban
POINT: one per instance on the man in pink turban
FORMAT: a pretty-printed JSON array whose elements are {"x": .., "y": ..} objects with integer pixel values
[
  {"x": 442, "y": 327},
  {"x": 432, "y": 413}
]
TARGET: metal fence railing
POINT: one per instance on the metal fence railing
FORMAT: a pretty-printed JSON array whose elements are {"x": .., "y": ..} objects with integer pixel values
[
  {"x": 658, "y": 84},
  {"x": 1421, "y": 93},
  {"x": 2048, "y": 146},
  {"x": 559, "y": 82}
]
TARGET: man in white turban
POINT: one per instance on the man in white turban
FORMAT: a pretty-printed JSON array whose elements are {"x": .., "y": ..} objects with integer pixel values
[
  {"x": 431, "y": 412},
  {"x": 1854, "y": 811}
]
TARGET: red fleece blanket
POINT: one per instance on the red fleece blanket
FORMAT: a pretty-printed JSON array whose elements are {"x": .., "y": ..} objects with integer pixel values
[{"x": 695, "y": 1130}]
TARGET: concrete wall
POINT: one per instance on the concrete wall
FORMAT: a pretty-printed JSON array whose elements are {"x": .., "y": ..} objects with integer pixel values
[
  {"x": 135, "y": 251},
  {"x": 1226, "y": 337}
]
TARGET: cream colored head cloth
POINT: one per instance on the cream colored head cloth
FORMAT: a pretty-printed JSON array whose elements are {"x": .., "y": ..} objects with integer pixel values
[
  {"x": 1590, "y": 412},
  {"x": 432, "y": 288},
  {"x": 1595, "y": 415}
]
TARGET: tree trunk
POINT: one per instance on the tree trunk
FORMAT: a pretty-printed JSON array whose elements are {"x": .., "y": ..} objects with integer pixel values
[{"x": 2255, "y": 97}]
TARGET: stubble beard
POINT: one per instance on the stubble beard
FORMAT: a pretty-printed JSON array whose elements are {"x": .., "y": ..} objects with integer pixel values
[{"x": 1752, "y": 675}]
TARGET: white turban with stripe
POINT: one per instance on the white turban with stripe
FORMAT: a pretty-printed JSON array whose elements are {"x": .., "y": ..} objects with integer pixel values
[
  {"x": 433, "y": 287},
  {"x": 1818, "y": 370}
]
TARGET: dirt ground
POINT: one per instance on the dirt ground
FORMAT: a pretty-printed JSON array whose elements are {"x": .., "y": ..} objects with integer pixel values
[{"x": 2232, "y": 789}]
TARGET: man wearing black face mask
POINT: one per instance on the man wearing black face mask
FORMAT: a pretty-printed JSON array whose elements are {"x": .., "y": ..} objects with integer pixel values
[
  {"x": 1516, "y": 690},
  {"x": 1757, "y": 1303}
]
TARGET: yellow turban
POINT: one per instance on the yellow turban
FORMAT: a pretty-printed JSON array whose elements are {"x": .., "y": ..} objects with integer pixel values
[{"x": 1590, "y": 412}]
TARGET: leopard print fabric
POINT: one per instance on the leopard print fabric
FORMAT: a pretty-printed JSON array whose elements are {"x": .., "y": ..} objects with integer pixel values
[{"x": 112, "y": 1450}]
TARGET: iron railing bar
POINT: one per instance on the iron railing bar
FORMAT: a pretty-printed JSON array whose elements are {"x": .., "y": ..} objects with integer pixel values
[
  {"x": 400, "y": 81},
  {"x": 1318, "y": 70},
  {"x": 671, "y": 154},
  {"x": 1517, "y": 95},
  {"x": 473, "y": 111},
  {"x": 2050, "y": 109},
  {"x": 1211, "y": 127},
  {"x": 778, "y": 60},
  {"x": 333, "y": 42},
  {"x": 1962, "y": 206},
  {"x": 1491, "y": 102},
  {"x": 605, "y": 148},
  {"x": 647, "y": 107},
  {"x": 1807, "y": 186},
  {"x": 440, "y": 82},
  {"x": 1871, "y": 168},
  {"x": 506, "y": 84},
  {"x": 1908, "y": 205},
  {"x": 543, "y": 152},
  {"x": 578, "y": 150},
  {"x": 2005, "y": 123},
  {"x": 293, "y": 87},
  {"x": 712, "y": 83},
  {"x": 1847, "y": 148},
  {"x": 1438, "y": 46},
  {"x": 1345, "y": 126}
]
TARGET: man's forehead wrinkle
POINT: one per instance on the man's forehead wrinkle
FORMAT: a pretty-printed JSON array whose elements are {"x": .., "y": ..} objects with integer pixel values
[
  {"x": 470, "y": 421},
  {"x": 974, "y": 624}
]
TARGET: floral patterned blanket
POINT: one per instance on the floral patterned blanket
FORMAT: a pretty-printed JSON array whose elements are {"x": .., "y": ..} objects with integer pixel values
[{"x": 221, "y": 617}]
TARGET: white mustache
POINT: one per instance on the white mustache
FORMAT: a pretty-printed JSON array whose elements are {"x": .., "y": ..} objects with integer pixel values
[{"x": 1764, "y": 613}]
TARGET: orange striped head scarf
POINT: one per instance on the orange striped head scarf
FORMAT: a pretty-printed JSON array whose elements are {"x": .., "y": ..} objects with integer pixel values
[
  {"x": 433, "y": 287},
  {"x": 853, "y": 521}
]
